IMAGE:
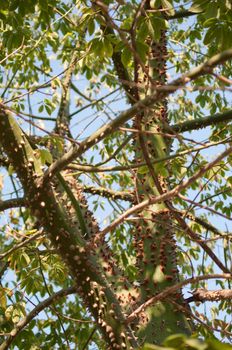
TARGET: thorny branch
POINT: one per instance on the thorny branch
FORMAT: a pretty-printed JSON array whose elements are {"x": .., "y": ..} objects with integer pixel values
[
  {"x": 11, "y": 203},
  {"x": 171, "y": 290},
  {"x": 202, "y": 295}
]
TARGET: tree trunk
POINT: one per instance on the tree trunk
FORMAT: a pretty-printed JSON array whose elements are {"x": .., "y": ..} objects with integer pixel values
[{"x": 154, "y": 233}]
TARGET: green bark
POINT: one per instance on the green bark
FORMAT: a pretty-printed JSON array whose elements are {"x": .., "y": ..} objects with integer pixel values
[{"x": 154, "y": 234}]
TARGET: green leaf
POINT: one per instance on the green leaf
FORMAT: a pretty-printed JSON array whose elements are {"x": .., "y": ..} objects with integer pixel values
[
  {"x": 168, "y": 6},
  {"x": 108, "y": 48},
  {"x": 214, "y": 344},
  {"x": 212, "y": 10},
  {"x": 161, "y": 169},
  {"x": 41, "y": 108},
  {"x": 142, "y": 50},
  {"x": 175, "y": 340},
  {"x": 144, "y": 30},
  {"x": 196, "y": 344},
  {"x": 25, "y": 259},
  {"x": 143, "y": 169},
  {"x": 45, "y": 156},
  {"x": 126, "y": 57},
  {"x": 198, "y": 6},
  {"x": 158, "y": 25},
  {"x": 91, "y": 26}
]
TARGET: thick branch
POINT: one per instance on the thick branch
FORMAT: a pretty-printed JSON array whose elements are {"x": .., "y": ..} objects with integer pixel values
[
  {"x": 159, "y": 95},
  {"x": 203, "y": 122},
  {"x": 12, "y": 203},
  {"x": 203, "y": 295},
  {"x": 170, "y": 290},
  {"x": 27, "y": 319},
  {"x": 108, "y": 193}
]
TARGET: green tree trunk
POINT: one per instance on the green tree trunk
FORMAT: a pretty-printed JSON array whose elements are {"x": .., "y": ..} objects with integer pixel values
[{"x": 154, "y": 232}]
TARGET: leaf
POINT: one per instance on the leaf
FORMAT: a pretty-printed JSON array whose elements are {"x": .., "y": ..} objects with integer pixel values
[
  {"x": 198, "y": 6},
  {"x": 214, "y": 344},
  {"x": 155, "y": 4},
  {"x": 25, "y": 259},
  {"x": 108, "y": 48},
  {"x": 143, "y": 169},
  {"x": 158, "y": 25},
  {"x": 91, "y": 26},
  {"x": 196, "y": 344},
  {"x": 212, "y": 10},
  {"x": 175, "y": 340},
  {"x": 48, "y": 109},
  {"x": 142, "y": 49},
  {"x": 126, "y": 57},
  {"x": 143, "y": 31},
  {"x": 167, "y": 5},
  {"x": 45, "y": 156},
  {"x": 161, "y": 169},
  {"x": 41, "y": 108}
]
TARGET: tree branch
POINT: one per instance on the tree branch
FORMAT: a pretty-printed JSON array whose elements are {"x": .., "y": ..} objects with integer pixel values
[
  {"x": 12, "y": 203},
  {"x": 208, "y": 226},
  {"x": 202, "y": 295},
  {"x": 171, "y": 290},
  {"x": 97, "y": 169},
  {"x": 63, "y": 120},
  {"x": 27, "y": 319},
  {"x": 202, "y": 122},
  {"x": 160, "y": 94},
  {"x": 108, "y": 193},
  {"x": 21, "y": 244}
]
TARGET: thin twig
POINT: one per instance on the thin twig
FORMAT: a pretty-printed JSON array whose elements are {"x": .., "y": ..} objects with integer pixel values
[{"x": 21, "y": 244}]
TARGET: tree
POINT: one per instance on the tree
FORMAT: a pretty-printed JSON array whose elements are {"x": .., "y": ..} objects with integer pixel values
[{"x": 117, "y": 284}]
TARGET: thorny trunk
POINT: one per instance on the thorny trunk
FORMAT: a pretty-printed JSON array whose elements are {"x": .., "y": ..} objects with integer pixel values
[{"x": 154, "y": 233}]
